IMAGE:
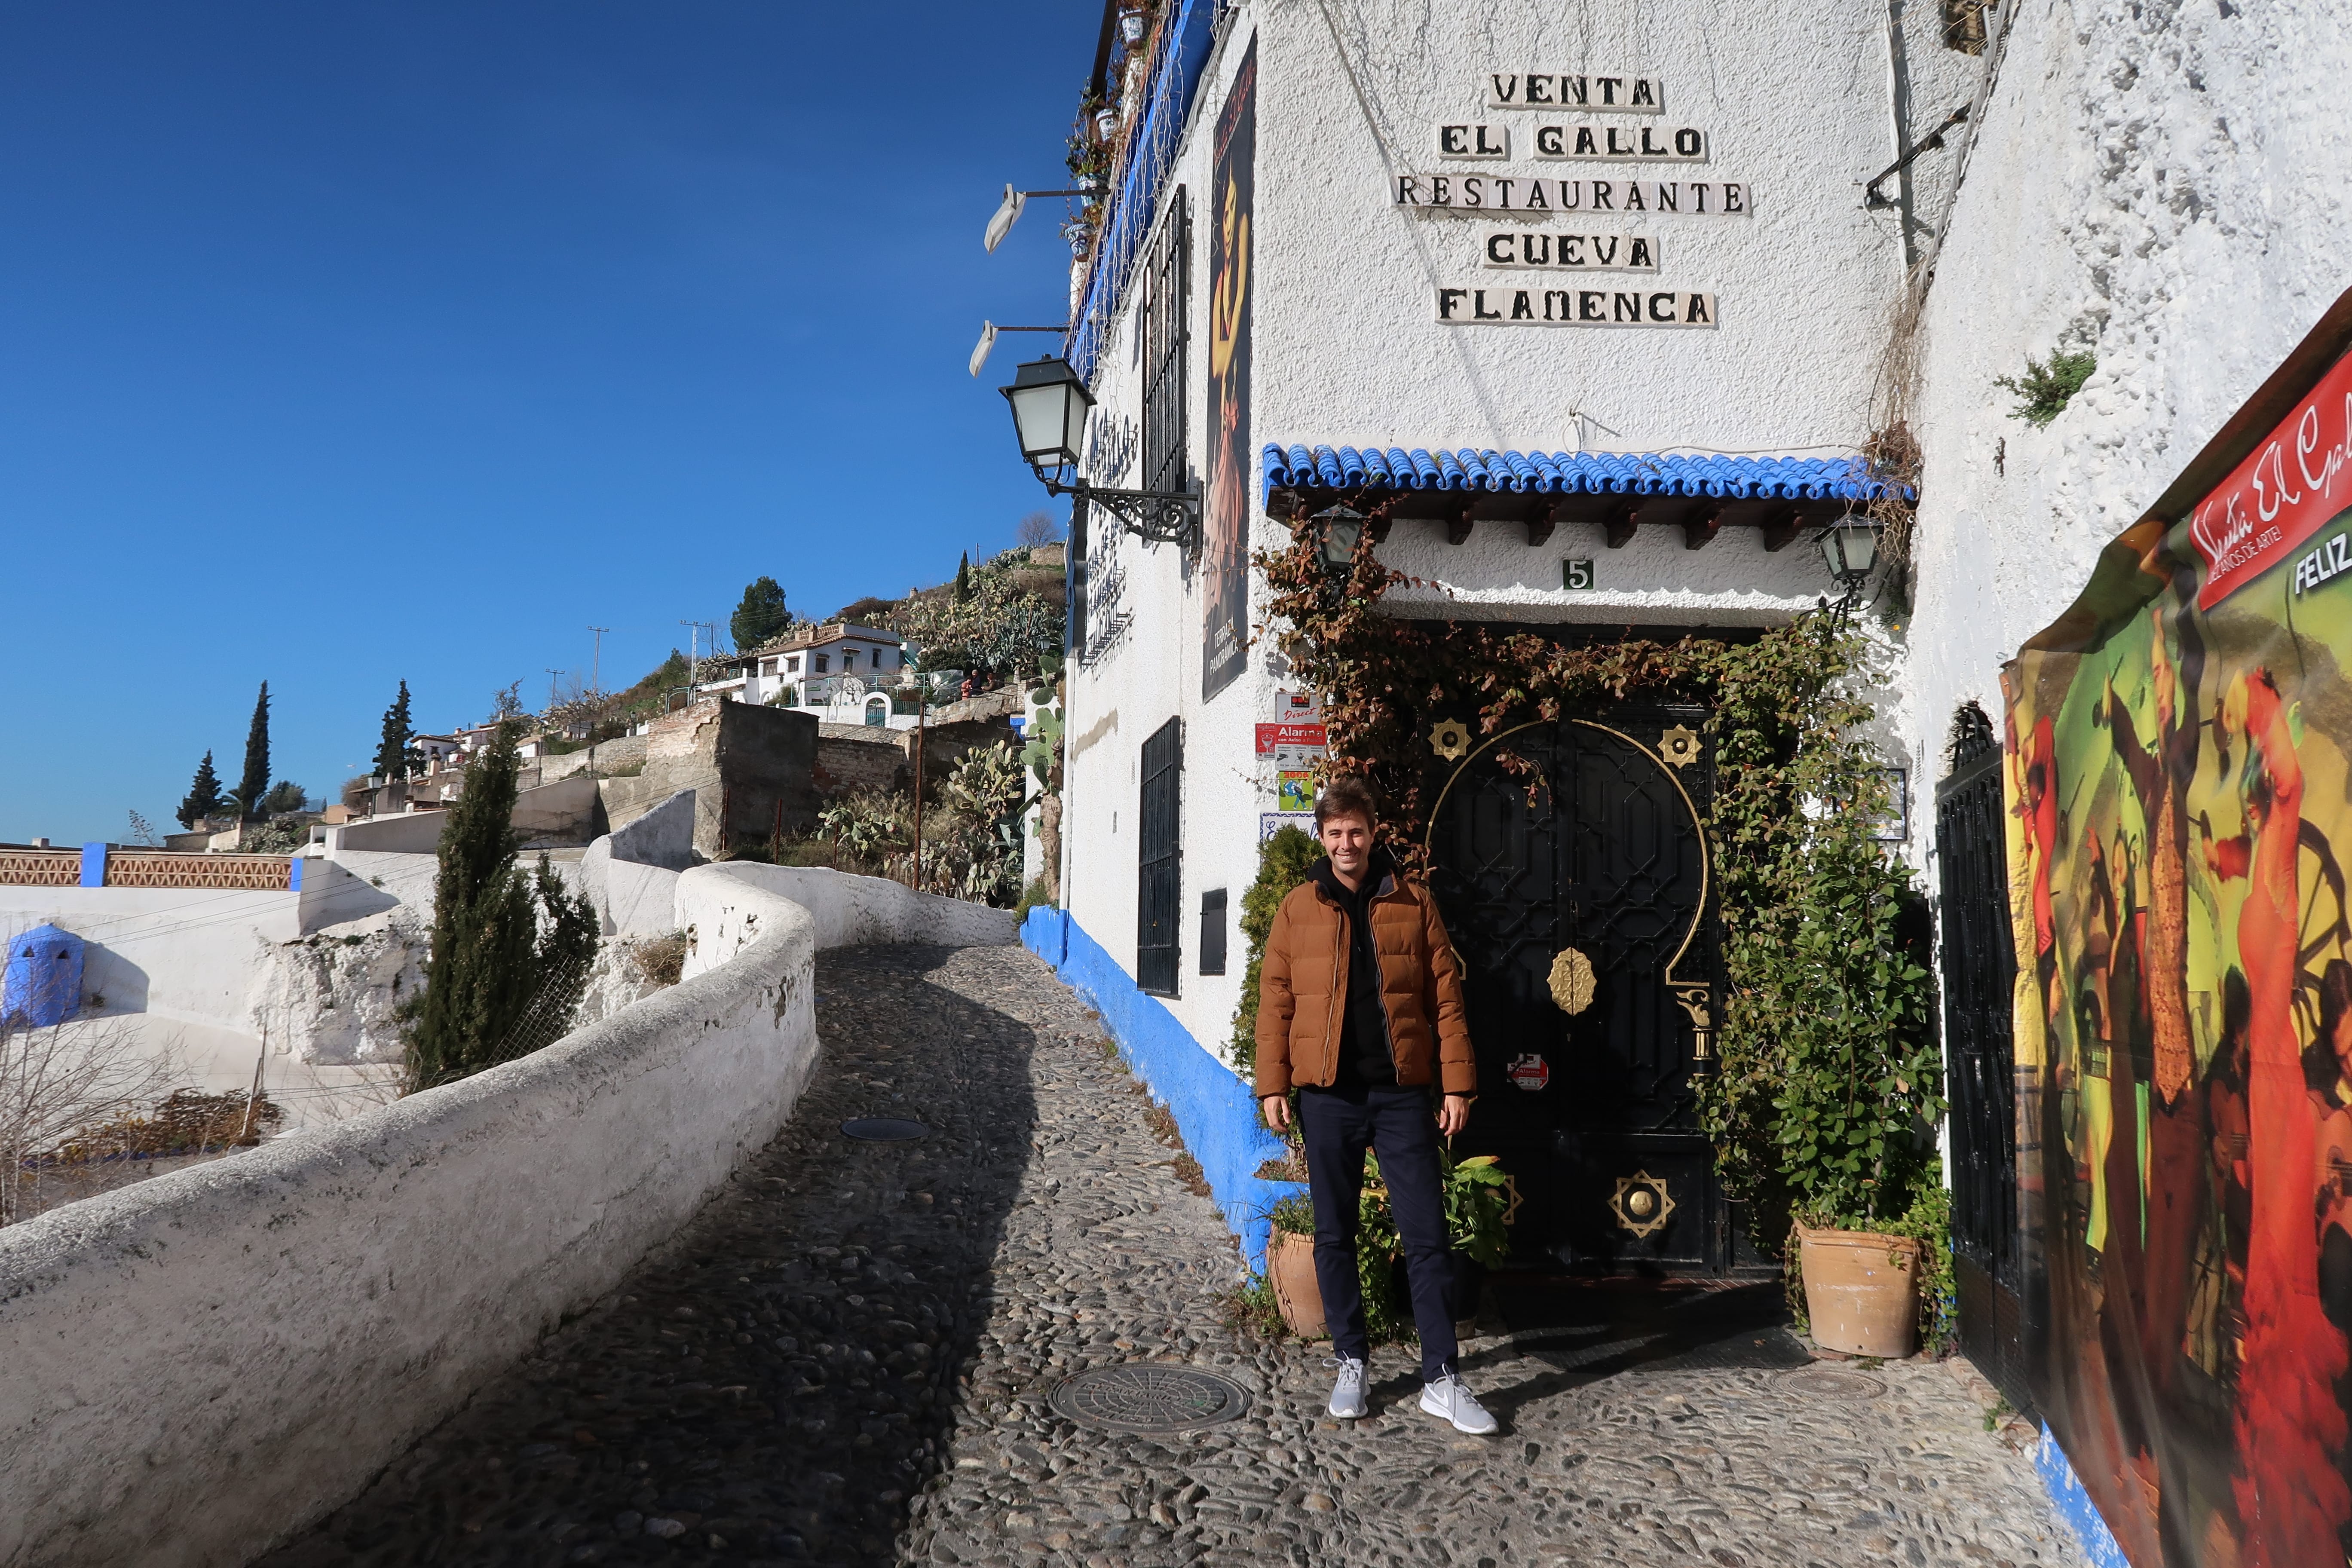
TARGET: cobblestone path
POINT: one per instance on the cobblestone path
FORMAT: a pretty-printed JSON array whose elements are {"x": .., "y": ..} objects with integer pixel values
[{"x": 848, "y": 1359}]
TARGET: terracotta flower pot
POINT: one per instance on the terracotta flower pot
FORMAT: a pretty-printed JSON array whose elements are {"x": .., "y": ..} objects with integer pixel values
[
  {"x": 1290, "y": 1264},
  {"x": 1861, "y": 1290}
]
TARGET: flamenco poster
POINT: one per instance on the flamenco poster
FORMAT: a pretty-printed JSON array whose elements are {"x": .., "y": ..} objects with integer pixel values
[
  {"x": 2179, "y": 775},
  {"x": 1224, "y": 650}
]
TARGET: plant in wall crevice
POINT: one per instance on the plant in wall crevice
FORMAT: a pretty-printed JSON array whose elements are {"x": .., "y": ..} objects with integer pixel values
[{"x": 2048, "y": 385}]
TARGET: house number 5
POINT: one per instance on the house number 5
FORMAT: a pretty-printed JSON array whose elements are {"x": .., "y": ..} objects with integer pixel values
[{"x": 1576, "y": 573}]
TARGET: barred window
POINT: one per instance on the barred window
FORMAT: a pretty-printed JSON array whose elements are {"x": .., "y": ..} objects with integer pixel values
[{"x": 1166, "y": 288}]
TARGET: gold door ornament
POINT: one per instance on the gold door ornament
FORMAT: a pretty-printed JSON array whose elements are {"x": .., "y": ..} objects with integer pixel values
[
  {"x": 1678, "y": 747},
  {"x": 1694, "y": 1001},
  {"x": 1642, "y": 1203},
  {"x": 1572, "y": 981},
  {"x": 1450, "y": 739}
]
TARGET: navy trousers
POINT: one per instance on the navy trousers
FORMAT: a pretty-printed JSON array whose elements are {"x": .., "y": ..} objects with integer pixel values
[{"x": 1340, "y": 1124}]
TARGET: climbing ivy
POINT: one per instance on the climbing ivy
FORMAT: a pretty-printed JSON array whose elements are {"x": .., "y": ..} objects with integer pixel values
[{"x": 1828, "y": 1085}]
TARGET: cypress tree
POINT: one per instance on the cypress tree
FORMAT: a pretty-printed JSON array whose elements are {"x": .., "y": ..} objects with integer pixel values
[
  {"x": 493, "y": 969},
  {"x": 256, "y": 782},
  {"x": 391, "y": 755},
  {"x": 204, "y": 798},
  {"x": 964, "y": 578}
]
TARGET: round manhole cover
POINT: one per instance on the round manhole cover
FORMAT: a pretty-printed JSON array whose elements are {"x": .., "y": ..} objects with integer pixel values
[
  {"x": 884, "y": 1128},
  {"x": 1829, "y": 1382},
  {"x": 1148, "y": 1398}
]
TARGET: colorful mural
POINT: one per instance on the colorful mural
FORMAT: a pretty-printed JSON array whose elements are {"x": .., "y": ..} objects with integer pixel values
[{"x": 2179, "y": 751}]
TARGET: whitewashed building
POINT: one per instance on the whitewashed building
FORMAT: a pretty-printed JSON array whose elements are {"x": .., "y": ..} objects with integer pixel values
[{"x": 1585, "y": 310}]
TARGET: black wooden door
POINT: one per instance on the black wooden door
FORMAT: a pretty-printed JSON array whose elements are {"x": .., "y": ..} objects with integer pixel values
[
  {"x": 1979, "y": 971},
  {"x": 1571, "y": 869},
  {"x": 1160, "y": 889}
]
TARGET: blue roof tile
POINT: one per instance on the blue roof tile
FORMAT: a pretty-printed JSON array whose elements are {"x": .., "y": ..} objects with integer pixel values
[{"x": 1592, "y": 473}]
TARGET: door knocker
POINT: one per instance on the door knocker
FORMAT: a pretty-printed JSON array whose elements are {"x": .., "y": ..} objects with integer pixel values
[
  {"x": 1572, "y": 981},
  {"x": 1642, "y": 1203}
]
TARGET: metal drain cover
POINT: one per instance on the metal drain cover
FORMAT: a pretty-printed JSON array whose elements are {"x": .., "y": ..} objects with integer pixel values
[
  {"x": 1148, "y": 1398},
  {"x": 1829, "y": 1382},
  {"x": 884, "y": 1128}
]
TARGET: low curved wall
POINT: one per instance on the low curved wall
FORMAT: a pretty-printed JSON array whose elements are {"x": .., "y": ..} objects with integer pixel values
[{"x": 196, "y": 1368}]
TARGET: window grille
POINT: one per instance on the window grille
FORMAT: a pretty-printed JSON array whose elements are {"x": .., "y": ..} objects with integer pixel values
[
  {"x": 1160, "y": 891},
  {"x": 1166, "y": 320}
]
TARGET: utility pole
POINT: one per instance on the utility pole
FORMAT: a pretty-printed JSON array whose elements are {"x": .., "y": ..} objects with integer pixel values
[
  {"x": 915, "y": 873},
  {"x": 551, "y": 687},
  {"x": 693, "y": 631},
  {"x": 596, "y": 661}
]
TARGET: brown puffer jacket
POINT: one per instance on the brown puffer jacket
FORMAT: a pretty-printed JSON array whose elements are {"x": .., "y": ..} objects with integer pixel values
[{"x": 1302, "y": 990}]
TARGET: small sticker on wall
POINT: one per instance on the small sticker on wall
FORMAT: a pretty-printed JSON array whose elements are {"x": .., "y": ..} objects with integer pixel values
[
  {"x": 1531, "y": 1072},
  {"x": 1294, "y": 790}
]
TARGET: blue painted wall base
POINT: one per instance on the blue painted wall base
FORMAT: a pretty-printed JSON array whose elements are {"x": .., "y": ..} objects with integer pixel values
[
  {"x": 1215, "y": 1110},
  {"x": 2074, "y": 1506}
]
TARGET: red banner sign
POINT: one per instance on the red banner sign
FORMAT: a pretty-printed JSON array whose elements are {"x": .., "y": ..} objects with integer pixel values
[
  {"x": 2292, "y": 485},
  {"x": 1272, "y": 737}
]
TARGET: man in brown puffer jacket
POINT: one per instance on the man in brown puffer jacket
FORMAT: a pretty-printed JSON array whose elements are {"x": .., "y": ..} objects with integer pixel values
[{"x": 1360, "y": 1009}]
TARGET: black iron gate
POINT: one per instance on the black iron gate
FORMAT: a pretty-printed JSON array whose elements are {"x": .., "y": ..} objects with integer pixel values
[
  {"x": 1979, "y": 969},
  {"x": 1570, "y": 862},
  {"x": 1160, "y": 889}
]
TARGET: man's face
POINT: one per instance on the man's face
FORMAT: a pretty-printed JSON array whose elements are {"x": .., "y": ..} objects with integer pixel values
[{"x": 1349, "y": 841}]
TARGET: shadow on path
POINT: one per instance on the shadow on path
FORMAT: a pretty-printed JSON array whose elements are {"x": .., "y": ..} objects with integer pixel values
[{"x": 774, "y": 1383}]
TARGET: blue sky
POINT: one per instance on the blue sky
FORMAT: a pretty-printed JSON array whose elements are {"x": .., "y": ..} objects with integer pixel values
[{"x": 355, "y": 342}]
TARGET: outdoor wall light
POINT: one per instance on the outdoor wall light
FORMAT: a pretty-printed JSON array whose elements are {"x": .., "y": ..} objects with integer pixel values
[
  {"x": 1008, "y": 212},
  {"x": 1050, "y": 403},
  {"x": 1337, "y": 530},
  {"x": 988, "y": 331},
  {"x": 1850, "y": 549}
]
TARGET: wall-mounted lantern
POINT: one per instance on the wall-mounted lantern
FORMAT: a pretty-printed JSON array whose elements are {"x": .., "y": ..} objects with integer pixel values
[
  {"x": 1850, "y": 548},
  {"x": 1336, "y": 531},
  {"x": 1050, "y": 403}
]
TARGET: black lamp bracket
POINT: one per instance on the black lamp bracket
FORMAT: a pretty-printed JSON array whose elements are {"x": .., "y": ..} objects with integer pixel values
[{"x": 1156, "y": 517}]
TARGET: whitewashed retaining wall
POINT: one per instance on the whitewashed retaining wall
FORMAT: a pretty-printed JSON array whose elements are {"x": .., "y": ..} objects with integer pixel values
[{"x": 198, "y": 1367}]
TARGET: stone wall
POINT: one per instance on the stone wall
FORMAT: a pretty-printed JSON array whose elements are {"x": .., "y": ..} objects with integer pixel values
[
  {"x": 277, "y": 1326},
  {"x": 752, "y": 770}
]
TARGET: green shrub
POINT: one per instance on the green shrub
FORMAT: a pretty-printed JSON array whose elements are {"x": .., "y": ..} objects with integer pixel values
[
  {"x": 1284, "y": 861},
  {"x": 1032, "y": 897},
  {"x": 2047, "y": 386}
]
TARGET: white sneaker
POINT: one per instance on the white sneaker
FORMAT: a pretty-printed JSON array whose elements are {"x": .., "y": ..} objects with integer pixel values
[
  {"x": 1348, "y": 1388},
  {"x": 1448, "y": 1396}
]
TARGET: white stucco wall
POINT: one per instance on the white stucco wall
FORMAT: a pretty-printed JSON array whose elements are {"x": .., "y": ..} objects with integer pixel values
[
  {"x": 2165, "y": 186},
  {"x": 196, "y": 1368}
]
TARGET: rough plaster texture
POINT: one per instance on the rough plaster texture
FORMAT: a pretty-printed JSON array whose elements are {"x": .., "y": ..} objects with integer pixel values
[
  {"x": 277, "y": 1327},
  {"x": 2155, "y": 182}
]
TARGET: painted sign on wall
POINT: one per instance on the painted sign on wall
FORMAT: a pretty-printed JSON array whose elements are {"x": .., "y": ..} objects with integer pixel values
[
  {"x": 1489, "y": 191},
  {"x": 1224, "y": 650},
  {"x": 2180, "y": 779}
]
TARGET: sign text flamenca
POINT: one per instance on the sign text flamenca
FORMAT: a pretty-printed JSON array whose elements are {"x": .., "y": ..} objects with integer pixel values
[{"x": 2294, "y": 483}]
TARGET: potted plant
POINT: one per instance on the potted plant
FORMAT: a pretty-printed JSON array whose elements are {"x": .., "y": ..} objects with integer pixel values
[
  {"x": 1481, "y": 1202},
  {"x": 1290, "y": 1265},
  {"x": 1841, "y": 1098}
]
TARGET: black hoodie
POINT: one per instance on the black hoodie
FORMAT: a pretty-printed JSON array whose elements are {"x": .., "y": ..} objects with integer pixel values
[{"x": 1364, "y": 1055}]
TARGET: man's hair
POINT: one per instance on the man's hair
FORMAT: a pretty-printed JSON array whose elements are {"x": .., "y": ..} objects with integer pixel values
[{"x": 1346, "y": 795}]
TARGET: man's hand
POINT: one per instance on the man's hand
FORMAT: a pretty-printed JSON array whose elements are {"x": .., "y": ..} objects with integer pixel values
[
  {"x": 1454, "y": 1115},
  {"x": 1277, "y": 1110}
]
